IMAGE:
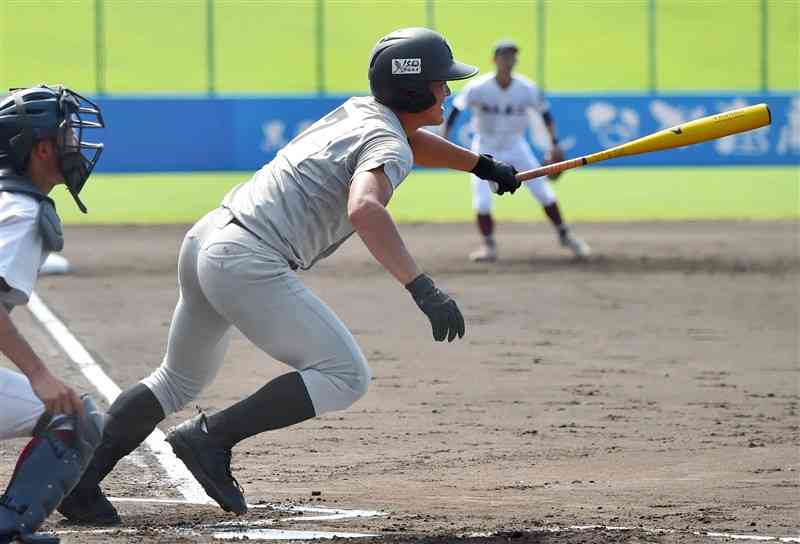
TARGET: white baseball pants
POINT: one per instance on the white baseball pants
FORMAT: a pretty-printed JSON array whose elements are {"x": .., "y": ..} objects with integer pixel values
[{"x": 20, "y": 408}]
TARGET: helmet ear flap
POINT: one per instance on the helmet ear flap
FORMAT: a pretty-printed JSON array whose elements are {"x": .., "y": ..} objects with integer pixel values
[
  {"x": 417, "y": 99},
  {"x": 408, "y": 98}
]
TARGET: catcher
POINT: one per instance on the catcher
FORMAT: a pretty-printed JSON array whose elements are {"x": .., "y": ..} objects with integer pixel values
[
  {"x": 41, "y": 146},
  {"x": 500, "y": 104}
]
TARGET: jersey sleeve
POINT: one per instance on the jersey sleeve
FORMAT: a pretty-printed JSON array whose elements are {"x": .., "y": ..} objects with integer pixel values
[
  {"x": 465, "y": 98},
  {"x": 390, "y": 152},
  {"x": 20, "y": 249}
]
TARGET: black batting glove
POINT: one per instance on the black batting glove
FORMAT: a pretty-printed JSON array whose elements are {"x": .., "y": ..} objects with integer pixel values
[
  {"x": 446, "y": 318},
  {"x": 503, "y": 174}
]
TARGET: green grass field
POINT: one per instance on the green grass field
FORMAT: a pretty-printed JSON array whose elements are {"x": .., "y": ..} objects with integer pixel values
[
  {"x": 590, "y": 194},
  {"x": 269, "y": 46}
]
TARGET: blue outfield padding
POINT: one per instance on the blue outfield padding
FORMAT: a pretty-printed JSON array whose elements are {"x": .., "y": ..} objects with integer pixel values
[{"x": 167, "y": 134}]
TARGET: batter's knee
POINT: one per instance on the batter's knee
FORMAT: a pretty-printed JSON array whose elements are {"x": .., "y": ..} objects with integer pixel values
[
  {"x": 172, "y": 390},
  {"x": 362, "y": 378},
  {"x": 337, "y": 385}
]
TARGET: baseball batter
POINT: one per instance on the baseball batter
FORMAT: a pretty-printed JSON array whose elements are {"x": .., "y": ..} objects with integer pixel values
[
  {"x": 238, "y": 267},
  {"x": 40, "y": 147},
  {"x": 500, "y": 104}
]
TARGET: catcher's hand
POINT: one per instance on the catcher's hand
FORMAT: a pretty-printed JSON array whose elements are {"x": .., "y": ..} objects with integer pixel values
[{"x": 555, "y": 154}]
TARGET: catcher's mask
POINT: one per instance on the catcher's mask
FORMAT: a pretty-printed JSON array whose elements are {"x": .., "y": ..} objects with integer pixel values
[{"x": 57, "y": 113}]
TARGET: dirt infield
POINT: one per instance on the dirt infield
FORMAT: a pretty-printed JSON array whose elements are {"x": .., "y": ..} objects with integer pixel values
[{"x": 656, "y": 387}]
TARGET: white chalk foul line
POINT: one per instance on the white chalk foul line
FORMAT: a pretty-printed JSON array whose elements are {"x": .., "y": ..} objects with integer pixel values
[
  {"x": 282, "y": 534},
  {"x": 322, "y": 513},
  {"x": 188, "y": 487}
]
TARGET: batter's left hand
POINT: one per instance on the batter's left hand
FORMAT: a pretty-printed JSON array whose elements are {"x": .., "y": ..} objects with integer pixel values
[
  {"x": 502, "y": 174},
  {"x": 446, "y": 319}
]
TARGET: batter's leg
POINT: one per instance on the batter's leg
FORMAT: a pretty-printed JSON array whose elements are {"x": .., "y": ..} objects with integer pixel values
[
  {"x": 198, "y": 338},
  {"x": 292, "y": 325},
  {"x": 266, "y": 301}
]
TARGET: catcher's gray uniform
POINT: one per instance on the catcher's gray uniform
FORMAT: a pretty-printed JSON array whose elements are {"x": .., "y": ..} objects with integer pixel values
[{"x": 237, "y": 264}]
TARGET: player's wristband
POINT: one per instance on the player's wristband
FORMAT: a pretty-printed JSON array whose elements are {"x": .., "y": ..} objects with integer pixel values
[{"x": 485, "y": 167}]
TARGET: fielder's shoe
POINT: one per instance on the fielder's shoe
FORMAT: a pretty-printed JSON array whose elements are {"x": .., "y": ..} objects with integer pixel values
[
  {"x": 209, "y": 462},
  {"x": 487, "y": 253},
  {"x": 578, "y": 247},
  {"x": 89, "y": 506}
]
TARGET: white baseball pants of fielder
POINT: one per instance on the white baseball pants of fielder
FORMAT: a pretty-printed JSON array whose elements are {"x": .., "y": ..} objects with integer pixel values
[
  {"x": 229, "y": 278},
  {"x": 20, "y": 408},
  {"x": 520, "y": 157}
]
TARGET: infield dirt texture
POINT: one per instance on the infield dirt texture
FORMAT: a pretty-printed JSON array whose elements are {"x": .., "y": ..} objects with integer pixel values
[{"x": 654, "y": 387}]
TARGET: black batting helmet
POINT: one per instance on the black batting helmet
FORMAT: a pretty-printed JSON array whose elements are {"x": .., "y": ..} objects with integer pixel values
[
  {"x": 30, "y": 115},
  {"x": 403, "y": 64}
]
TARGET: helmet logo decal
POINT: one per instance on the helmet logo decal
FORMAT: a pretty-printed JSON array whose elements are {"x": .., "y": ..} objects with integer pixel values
[{"x": 406, "y": 66}]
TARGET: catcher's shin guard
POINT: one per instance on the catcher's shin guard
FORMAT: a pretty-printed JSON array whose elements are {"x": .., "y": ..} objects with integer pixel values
[{"x": 48, "y": 468}]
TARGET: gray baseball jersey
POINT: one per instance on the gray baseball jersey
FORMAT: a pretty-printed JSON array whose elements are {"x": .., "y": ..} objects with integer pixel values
[{"x": 298, "y": 202}]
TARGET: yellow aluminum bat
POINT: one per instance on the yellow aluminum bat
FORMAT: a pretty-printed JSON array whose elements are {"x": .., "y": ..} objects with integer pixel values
[{"x": 693, "y": 132}]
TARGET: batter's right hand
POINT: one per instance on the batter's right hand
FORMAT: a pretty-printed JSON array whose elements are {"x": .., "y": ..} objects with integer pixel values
[
  {"x": 446, "y": 318},
  {"x": 57, "y": 397}
]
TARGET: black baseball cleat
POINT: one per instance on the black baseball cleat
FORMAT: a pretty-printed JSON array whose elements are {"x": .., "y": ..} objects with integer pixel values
[
  {"x": 208, "y": 462},
  {"x": 89, "y": 506}
]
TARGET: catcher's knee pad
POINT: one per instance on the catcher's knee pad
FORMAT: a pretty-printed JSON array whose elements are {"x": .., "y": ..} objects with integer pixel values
[{"x": 47, "y": 470}]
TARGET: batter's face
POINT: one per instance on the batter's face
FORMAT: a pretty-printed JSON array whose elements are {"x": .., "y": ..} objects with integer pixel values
[{"x": 435, "y": 114}]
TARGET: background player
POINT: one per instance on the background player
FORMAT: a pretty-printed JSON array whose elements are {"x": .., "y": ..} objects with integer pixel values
[
  {"x": 237, "y": 268},
  {"x": 40, "y": 147},
  {"x": 500, "y": 104}
]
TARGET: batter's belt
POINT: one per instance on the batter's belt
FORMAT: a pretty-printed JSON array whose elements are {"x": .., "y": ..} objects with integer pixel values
[{"x": 293, "y": 265}]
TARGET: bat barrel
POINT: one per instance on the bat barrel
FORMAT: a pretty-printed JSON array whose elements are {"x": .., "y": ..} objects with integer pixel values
[{"x": 693, "y": 132}]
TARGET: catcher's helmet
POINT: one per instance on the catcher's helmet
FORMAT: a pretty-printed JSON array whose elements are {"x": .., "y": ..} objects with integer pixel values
[
  {"x": 30, "y": 115},
  {"x": 403, "y": 64}
]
